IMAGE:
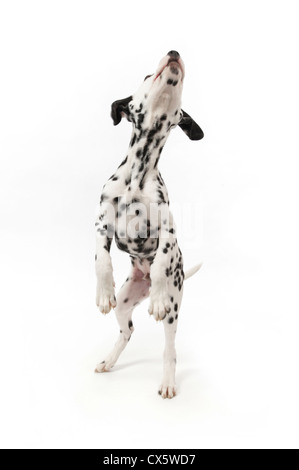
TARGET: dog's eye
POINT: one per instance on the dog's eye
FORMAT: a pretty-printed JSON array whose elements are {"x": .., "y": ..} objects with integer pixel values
[{"x": 148, "y": 76}]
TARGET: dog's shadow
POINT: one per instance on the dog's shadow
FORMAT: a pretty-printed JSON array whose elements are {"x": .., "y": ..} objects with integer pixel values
[
  {"x": 181, "y": 376},
  {"x": 185, "y": 374},
  {"x": 131, "y": 364}
]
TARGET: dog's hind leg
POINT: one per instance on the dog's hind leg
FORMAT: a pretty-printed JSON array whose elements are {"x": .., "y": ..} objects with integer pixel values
[
  {"x": 134, "y": 290},
  {"x": 170, "y": 321}
]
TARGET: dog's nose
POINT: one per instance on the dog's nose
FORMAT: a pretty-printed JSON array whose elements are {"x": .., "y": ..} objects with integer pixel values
[{"x": 174, "y": 54}]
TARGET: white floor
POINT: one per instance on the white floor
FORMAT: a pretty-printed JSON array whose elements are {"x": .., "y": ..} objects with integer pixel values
[{"x": 237, "y": 369}]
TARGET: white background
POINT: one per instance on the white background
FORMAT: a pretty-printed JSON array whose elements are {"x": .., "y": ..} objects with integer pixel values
[{"x": 62, "y": 64}]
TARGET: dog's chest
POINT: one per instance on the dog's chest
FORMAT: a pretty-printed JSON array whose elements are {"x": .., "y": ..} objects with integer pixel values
[{"x": 138, "y": 212}]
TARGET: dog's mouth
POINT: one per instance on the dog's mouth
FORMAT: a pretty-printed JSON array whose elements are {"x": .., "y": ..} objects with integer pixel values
[{"x": 173, "y": 64}]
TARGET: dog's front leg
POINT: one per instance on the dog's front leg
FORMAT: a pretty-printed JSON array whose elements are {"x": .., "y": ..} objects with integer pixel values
[
  {"x": 105, "y": 294},
  {"x": 160, "y": 269}
]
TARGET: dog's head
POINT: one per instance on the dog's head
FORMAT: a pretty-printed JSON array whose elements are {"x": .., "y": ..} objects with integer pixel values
[{"x": 159, "y": 99}]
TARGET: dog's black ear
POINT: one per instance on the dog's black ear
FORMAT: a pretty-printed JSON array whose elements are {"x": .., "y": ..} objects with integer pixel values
[
  {"x": 189, "y": 126},
  {"x": 120, "y": 108}
]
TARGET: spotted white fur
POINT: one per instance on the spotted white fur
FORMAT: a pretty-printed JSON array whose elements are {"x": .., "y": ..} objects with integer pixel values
[{"x": 134, "y": 209}]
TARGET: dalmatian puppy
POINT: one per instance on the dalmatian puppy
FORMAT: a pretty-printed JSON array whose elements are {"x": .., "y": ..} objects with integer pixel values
[{"x": 134, "y": 209}]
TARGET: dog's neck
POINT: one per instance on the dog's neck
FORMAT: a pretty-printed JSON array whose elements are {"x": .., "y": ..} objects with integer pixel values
[{"x": 144, "y": 151}]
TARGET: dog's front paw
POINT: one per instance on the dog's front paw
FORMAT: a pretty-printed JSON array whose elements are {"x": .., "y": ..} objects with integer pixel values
[
  {"x": 167, "y": 390},
  {"x": 105, "y": 298},
  {"x": 159, "y": 306}
]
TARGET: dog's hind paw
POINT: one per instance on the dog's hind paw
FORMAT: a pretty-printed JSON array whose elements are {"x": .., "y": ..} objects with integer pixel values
[{"x": 167, "y": 391}]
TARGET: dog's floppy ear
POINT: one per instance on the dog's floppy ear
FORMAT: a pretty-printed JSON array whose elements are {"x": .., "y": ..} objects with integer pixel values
[
  {"x": 189, "y": 126},
  {"x": 120, "y": 108}
]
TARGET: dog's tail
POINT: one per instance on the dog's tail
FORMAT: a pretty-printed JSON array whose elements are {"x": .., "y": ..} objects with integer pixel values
[{"x": 192, "y": 271}]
